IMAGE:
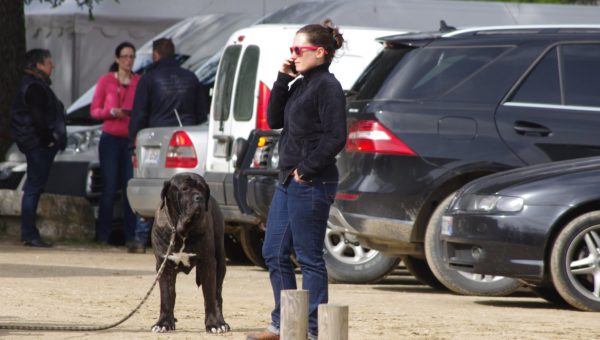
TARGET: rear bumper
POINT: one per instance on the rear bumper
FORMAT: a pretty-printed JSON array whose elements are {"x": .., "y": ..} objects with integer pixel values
[
  {"x": 390, "y": 236},
  {"x": 144, "y": 195}
]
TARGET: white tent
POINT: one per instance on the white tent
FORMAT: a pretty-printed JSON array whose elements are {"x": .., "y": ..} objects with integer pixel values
[{"x": 83, "y": 49}]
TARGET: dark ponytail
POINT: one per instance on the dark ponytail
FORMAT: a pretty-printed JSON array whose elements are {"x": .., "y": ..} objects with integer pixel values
[{"x": 326, "y": 35}]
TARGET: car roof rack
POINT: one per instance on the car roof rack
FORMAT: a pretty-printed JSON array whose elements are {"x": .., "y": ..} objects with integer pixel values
[
  {"x": 419, "y": 39},
  {"x": 524, "y": 29}
]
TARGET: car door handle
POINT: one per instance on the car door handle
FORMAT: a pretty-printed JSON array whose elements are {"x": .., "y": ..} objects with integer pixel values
[{"x": 531, "y": 129}]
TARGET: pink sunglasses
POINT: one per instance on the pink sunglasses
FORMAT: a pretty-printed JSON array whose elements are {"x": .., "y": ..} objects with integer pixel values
[{"x": 299, "y": 49}]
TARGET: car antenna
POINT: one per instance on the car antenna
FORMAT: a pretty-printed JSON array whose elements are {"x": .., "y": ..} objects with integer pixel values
[
  {"x": 177, "y": 115},
  {"x": 445, "y": 28}
]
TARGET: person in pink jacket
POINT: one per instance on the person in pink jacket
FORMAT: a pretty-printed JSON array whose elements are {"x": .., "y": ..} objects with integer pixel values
[{"x": 112, "y": 103}]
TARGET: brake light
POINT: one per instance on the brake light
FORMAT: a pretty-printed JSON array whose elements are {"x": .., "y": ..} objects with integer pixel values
[
  {"x": 370, "y": 136},
  {"x": 261, "y": 106},
  {"x": 181, "y": 152},
  {"x": 346, "y": 197}
]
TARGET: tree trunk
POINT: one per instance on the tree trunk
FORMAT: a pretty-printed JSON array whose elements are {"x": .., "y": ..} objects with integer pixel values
[{"x": 12, "y": 50}]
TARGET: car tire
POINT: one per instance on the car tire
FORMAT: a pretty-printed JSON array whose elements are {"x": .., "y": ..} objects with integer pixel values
[
  {"x": 549, "y": 293},
  {"x": 574, "y": 262},
  {"x": 348, "y": 261},
  {"x": 457, "y": 281},
  {"x": 421, "y": 271},
  {"x": 251, "y": 239},
  {"x": 233, "y": 249}
]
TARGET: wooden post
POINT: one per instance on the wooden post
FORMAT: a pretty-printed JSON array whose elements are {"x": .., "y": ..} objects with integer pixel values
[
  {"x": 333, "y": 322},
  {"x": 294, "y": 314}
]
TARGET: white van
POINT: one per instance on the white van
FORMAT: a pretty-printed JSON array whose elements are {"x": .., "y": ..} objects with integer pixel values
[{"x": 246, "y": 73}]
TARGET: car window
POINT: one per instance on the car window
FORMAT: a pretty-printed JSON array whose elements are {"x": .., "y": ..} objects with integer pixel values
[
  {"x": 435, "y": 70},
  {"x": 580, "y": 66},
  {"x": 373, "y": 77},
  {"x": 246, "y": 84},
  {"x": 224, "y": 83},
  {"x": 542, "y": 84}
]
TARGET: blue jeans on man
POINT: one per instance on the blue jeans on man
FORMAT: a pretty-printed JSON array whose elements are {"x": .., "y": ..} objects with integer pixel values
[
  {"x": 39, "y": 162},
  {"x": 116, "y": 170},
  {"x": 298, "y": 221}
]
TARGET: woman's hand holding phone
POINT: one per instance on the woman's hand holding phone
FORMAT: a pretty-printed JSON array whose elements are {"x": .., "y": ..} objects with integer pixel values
[{"x": 289, "y": 67}]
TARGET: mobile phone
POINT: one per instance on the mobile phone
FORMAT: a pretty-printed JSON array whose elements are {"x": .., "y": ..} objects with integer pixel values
[{"x": 293, "y": 67}]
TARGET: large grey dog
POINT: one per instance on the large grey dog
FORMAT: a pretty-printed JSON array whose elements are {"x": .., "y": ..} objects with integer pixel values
[{"x": 188, "y": 209}]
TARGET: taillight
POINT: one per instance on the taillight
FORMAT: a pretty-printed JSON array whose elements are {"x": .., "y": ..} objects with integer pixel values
[
  {"x": 370, "y": 136},
  {"x": 346, "y": 197},
  {"x": 261, "y": 106},
  {"x": 181, "y": 152}
]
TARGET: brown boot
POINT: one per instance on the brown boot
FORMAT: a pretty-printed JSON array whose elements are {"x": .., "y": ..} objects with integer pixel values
[{"x": 264, "y": 335}]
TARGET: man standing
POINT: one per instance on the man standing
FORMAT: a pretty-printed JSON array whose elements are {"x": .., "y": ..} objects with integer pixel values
[
  {"x": 166, "y": 95},
  {"x": 37, "y": 125}
]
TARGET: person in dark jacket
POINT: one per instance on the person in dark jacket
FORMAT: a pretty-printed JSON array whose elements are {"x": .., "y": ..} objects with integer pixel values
[
  {"x": 166, "y": 95},
  {"x": 37, "y": 125},
  {"x": 312, "y": 115}
]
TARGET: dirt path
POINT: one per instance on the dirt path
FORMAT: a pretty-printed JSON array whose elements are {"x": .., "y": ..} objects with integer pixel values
[{"x": 96, "y": 286}]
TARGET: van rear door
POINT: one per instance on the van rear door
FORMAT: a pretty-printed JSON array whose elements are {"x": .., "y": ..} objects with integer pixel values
[
  {"x": 219, "y": 144},
  {"x": 233, "y": 115}
]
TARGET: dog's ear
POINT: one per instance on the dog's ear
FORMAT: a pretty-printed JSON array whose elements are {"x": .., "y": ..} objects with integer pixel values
[
  {"x": 202, "y": 184},
  {"x": 164, "y": 193}
]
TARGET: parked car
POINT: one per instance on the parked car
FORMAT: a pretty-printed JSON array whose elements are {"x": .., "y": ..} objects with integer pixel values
[
  {"x": 436, "y": 111},
  {"x": 246, "y": 72},
  {"x": 540, "y": 224}
]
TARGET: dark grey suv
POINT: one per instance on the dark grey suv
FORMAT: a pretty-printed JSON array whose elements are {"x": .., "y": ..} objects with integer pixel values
[{"x": 434, "y": 112}]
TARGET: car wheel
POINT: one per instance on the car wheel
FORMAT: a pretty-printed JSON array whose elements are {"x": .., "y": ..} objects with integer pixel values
[
  {"x": 348, "y": 261},
  {"x": 457, "y": 281},
  {"x": 251, "y": 239},
  {"x": 575, "y": 260},
  {"x": 234, "y": 251},
  {"x": 421, "y": 271},
  {"x": 549, "y": 293}
]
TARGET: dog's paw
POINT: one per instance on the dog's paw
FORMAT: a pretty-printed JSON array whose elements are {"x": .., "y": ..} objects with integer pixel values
[
  {"x": 220, "y": 328},
  {"x": 163, "y": 327}
]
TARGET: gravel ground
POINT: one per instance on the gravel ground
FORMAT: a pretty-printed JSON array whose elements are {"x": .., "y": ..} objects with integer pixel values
[{"x": 77, "y": 285}]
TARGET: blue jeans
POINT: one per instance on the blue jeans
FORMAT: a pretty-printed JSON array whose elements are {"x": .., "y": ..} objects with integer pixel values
[
  {"x": 298, "y": 220},
  {"x": 116, "y": 170},
  {"x": 39, "y": 162}
]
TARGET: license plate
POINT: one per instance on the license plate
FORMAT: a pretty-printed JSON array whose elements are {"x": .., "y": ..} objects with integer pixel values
[
  {"x": 446, "y": 225},
  {"x": 151, "y": 155}
]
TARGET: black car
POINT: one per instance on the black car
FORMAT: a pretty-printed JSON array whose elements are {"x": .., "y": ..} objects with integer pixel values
[
  {"x": 540, "y": 224},
  {"x": 433, "y": 112}
]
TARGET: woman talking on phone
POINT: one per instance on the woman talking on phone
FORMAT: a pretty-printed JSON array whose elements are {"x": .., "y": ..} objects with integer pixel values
[
  {"x": 312, "y": 115},
  {"x": 112, "y": 103}
]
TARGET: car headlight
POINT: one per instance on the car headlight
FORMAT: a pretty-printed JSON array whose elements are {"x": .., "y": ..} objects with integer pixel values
[
  {"x": 82, "y": 141},
  {"x": 489, "y": 203}
]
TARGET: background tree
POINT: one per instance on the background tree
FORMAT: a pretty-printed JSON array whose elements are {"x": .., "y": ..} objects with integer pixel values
[{"x": 12, "y": 50}]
